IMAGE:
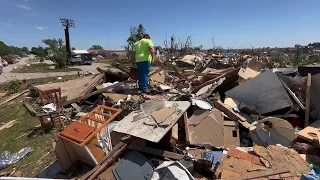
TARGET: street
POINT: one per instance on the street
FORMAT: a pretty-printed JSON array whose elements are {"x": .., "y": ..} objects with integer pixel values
[{"x": 7, "y": 75}]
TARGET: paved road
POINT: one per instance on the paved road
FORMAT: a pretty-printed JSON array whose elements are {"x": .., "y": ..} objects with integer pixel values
[{"x": 7, "y": 75}]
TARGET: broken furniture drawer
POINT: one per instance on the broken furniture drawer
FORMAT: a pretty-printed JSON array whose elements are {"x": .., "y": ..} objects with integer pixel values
[{"x": 87, "y": 139}]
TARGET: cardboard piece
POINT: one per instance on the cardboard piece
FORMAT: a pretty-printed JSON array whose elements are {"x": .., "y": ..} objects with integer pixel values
[
  {"x": 157, "y": 76},
  {"x": 231, "y": 135},
  {"x": 209, "y": 131},
  {"x": 247, "y": 73},
  {"x": 265, "y": 92},
  {"x": 310, "y": 132},
  {"x": 163, "y": 114}
]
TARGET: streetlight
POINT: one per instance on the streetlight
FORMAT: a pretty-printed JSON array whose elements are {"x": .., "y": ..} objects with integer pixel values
[{"x": 67, "y": 23}]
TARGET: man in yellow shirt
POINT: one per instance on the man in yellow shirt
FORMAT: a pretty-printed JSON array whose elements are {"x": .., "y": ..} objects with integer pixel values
[{"x": 144, "y": 54}]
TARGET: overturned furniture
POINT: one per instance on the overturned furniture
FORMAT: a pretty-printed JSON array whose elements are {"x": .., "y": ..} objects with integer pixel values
[
  {"x": 87, "y": 139},
  {"x": 53, "y": 99}
]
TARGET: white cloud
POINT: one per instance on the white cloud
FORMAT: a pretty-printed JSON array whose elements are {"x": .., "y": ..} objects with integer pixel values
[
  {"x": 26, "y": 0},
  {"x": 21, "y": 6},
  {"x": 40, "y": 28}
]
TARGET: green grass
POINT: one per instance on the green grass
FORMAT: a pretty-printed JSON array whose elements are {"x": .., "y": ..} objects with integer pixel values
[
  {"x": 18, "y": 85},
  {"x": 41, "y": 144},
  {"x": 37, "y": 68}
]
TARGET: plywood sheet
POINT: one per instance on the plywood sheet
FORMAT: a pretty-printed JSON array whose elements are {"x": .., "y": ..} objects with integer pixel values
[
  {"x": 248, "y": 73},
  {"x": 310, "y": 132},
  {"x": 73, "y": 88},
  {"x": 157, "y": 76},
  {"x": 208, "y": 131},
  {"x": 96, "y": 150},
  {"x": 144, "y": 129},
  {"x": 265, "y": 92},
  {"x": 231, "y": 134}
]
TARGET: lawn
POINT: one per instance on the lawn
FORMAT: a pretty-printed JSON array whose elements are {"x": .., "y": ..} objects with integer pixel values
[
  {"x": 25, "y": 132},
  {"x": 16, "y": 86},
  {"x": 20, "y": 135},
  {"x": 42, "y": 67}
]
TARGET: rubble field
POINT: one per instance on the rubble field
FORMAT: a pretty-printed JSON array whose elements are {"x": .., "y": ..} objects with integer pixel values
[{"x": 206, "y": 116}]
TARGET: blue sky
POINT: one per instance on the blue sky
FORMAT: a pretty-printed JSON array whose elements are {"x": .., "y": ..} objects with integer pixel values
[{"x": 233, "y": 23}]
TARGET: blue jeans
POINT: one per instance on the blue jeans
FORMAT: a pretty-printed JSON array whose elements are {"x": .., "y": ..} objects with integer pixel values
[{"x": 144, "y": 69}]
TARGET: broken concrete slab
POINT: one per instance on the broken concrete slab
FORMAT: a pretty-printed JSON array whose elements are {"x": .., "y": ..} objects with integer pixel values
[{"x": 265, "y": 92}]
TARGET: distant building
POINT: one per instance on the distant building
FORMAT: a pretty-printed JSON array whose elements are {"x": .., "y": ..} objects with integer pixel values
[
  {"x": 109, "y": 54},
  {"x": 305, "y": 49}
]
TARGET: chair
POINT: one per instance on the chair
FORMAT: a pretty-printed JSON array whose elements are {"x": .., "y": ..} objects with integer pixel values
[{"x": 52, "y": 96}]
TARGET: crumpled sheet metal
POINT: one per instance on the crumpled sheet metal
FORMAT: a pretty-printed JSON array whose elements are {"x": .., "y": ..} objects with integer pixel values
[{"x": 7, "y": 159}]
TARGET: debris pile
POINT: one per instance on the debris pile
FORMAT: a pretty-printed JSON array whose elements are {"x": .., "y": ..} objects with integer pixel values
[{"x": 227, "y": 118}]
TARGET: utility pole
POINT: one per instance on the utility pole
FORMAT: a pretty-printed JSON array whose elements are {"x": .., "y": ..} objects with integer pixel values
[
  {"x": 108, "y": 40},
  {"x": 67, "y": 23},
  {"x": 212, "y": 42}
]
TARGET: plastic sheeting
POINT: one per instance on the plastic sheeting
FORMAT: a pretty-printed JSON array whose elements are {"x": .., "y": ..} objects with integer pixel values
[{"x": 6, "y": 158}]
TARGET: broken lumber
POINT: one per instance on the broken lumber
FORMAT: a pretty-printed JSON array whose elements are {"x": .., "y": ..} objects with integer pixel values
[
  {"x": 186, "y": 126},
  {"x": 93, "y": 93},
  {"x": 229, "y": 112},
  {"x": 306, "y": 118},
  {"x": 121, "y": 67},
  {"x": 196, "y": 89},
  {"x": 30, "y": 108},
  {"x": 259, "y": 174},
  {"x": 13, "y": 97}
]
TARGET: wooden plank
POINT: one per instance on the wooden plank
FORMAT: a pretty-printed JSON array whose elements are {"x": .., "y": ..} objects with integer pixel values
[
  {"x": 174, "y": 134},
  {"x": 259, "y": 174},
  {"x": 310, "y": 132},
  {"x": 30, "y": 108},
  {"x": 229, "y": 112},
  {"x": 307, "y": 112},
  {"x": 108, "y": 160},
  {"x": 96, "y": 150},
  {"x": 76, "y": 107},
  {"x": 13, "y": 97},
  {"x": 196, "y": 89},
  {"x": 186, "y": 126},
  {"x": 62, "y": 155}
]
